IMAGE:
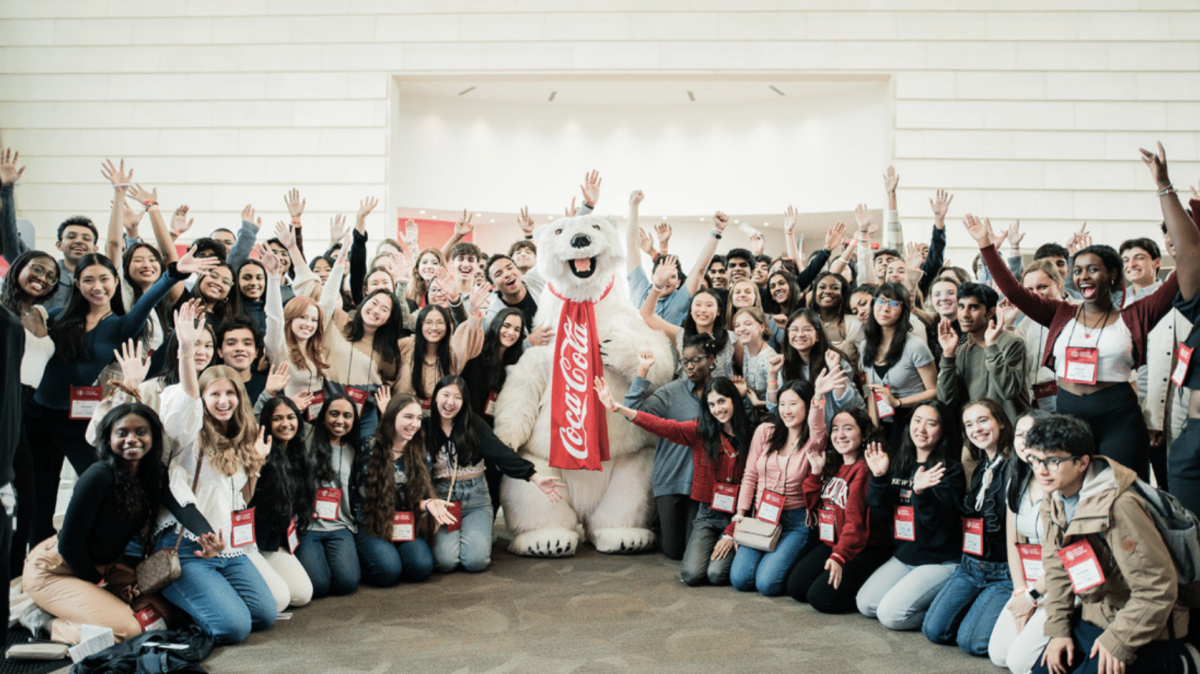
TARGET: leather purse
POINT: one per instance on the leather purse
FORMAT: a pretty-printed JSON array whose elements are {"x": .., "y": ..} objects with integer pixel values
[
  {"x": 161, "y": 568},
  {"x": 757, "y": 534}
]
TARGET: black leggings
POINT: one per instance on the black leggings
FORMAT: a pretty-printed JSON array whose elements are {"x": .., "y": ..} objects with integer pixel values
[
  {"x": 675, "y": 515},
  {"x": 809, "y": 581},
  {"x": 1117, "y": 424},
  {"x": 53, "y": 436}
]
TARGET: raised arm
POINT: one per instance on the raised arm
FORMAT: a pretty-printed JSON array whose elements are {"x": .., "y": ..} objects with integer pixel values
[
  {"x": 120, "y": 179},
  {"x": 720, "y": 221},
  {"x": 893, "y": 234},
  {"x": 791, "y": 251},
  {"x": 275, "y": 342},
  {"x": 358, "y": 249},
  {"x": 633, "y": 233},
  {"x": 833, "y": 238},
  {"x": 1181, "y": 228},
  {"x": 866, "y": 259},
  {"x": 462, "y": 228},
  {"x": 246, "y": 237},
  {"x": 9, "y": 173},
  {"x": 651, "y": 303},
  {"x": 1039, "y": 309},
  {"x": 188, "y": 327}
]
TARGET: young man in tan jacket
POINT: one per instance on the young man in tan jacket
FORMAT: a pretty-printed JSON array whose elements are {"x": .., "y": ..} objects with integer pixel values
[{"x": 1100, "y": 544}]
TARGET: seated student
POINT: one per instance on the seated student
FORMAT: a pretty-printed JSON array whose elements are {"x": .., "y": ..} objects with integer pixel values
[
  {"x": 970, "y": 603},
  {"x": 920, "y": 489},
  {"x": 849, "y": 546},
  {"x": 79, "y": 577},
  {"x": 1132, "y": 617}
]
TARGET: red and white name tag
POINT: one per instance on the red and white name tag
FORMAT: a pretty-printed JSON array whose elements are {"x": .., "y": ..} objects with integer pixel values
[
  {"x": 314, "y": 408},
  {"x": 329, "y": 502},
  {"x": 826, "y": 522},
  {"x": 1031, "y": 561},
  {"x": 243, "y": 528},
  {"x": 402, "y": 527},
  {"x": 1046, "y": 396},
  {"x": 150, "y": 619},
  {"x": 771, "y": 507},
  {"x": 1181, "y": 365},
  {"x": 489, "y": 407},
  {"x": 972, "y": 535},
  {"x": 455, "y": 511},
  {"x": 1082, "y": 566},
  {"x": 293, "y": 539},
  {"x": 882, "y": 407},
  {"x": 1082, "y": 365},
  {"x": 906, "y": 524},
  {"x": 358, "y": 395},
  {"x": 84, "y": 401},
  {"x": 426, "y": 405},
  {"x": 724, "y": 497}
]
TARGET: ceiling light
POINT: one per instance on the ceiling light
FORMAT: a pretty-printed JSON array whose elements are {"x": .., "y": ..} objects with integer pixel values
[
  {"x": 466, "y": 91},
  {"x": 421, "y": 212},
  {"x": 701, "y": 219},
  {"x": 479, "y": 215},
  {"x": 772, "y": 88},
  {"x": 492, "y": 220},
  {"x": 766, "y": 224}
]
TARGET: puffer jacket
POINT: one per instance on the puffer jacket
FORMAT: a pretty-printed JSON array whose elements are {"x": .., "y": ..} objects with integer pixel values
[{"x": 1140, "y": 591}]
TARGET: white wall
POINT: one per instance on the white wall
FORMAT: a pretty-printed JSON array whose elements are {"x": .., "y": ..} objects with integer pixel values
[{"x": 1031, "y": 111}]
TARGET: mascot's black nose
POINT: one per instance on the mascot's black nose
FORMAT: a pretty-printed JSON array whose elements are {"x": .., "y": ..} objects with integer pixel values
[{"x": 581, "y": 241}]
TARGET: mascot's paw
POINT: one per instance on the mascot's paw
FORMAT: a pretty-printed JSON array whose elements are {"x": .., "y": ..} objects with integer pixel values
[
  {"x": 554, "y": 542},
  {"x": 622, "y": 540}
]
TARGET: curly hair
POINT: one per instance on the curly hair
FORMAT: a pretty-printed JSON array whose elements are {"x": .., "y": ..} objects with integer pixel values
[
  {"x": 380, "y": 488},
  {"x": 134, "y": 494}
]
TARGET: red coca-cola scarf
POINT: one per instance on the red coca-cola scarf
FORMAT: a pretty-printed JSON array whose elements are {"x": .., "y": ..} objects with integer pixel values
[{"x": 579, "y": 432}]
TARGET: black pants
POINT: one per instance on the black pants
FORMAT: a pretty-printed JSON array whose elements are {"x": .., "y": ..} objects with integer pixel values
[
  {"x": 1117, "y": 424},
  {"x": 1183, "y": 466},
  {"x": 675, "y": 515},
  {"x": 53, "y": 436},
  {"x": 5, "y": 569},
  {"x": 809, "y": 581},
  {"x": 23, "y": 483},
  {"x": 895, "y": 428},
  {"x": 1152, "y": 658}
]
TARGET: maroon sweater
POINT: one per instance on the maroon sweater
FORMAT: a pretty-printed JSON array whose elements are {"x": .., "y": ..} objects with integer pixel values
[
  {"x": 845, "y": 493},
  {"x": 1140, "y": 316}
]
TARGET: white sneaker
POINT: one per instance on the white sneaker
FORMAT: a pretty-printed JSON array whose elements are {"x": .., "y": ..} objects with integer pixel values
[
  {"x": 1191, "y": 659},
  {"x": 37, "y": 621}
]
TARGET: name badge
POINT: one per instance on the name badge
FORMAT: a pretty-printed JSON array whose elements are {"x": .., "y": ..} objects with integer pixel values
[
  {"x": 402, "y": 527},
  {"x": 1031, "y": 561},
  {"x": 1046, "y": 396},
  {"x": 882, "y": 408},
  {"x": 243, "y": 527},
  {"x": 84, "y": 401},
  {"x": 314, "y": 408},
  {"x": 1181, "y": 365},
  {"x": 489, "y": 407},
  {"x": 1082, "y": 565},
  {"x": 329, "y": 502},
  {"x": 1081, "y": 365},
  {"x": 972, "y": 535},
  {"x": 358, "y": 395},
  {"x": 826, "y": 520},
  {"x": 906, "y": 520},
  {"x": 455, "y": 511},
  {"x": 724, "y": 497},
  {"x": 771, "y": 507},
  {"x": 293, "y": 539},
  {"x": 150, "y": 619}
]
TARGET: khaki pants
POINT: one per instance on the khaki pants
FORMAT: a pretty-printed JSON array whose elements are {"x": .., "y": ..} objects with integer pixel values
[{"x": 73, "y": 602}]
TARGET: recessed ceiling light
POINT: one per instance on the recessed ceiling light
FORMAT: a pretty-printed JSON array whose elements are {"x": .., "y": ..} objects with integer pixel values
[
  {"x": 421, "y": 212},
  {"x": 479, "y": 215},
  {"x": 766, "y": 224},
  {"x": 701, "y": 219},
  {"x": 492, "y": 220}
]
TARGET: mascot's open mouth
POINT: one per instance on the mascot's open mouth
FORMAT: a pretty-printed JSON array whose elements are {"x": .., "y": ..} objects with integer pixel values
[{"x": 583, "y": 267}]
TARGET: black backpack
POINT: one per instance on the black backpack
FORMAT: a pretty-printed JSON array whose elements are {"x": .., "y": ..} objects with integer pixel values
[{"x": 155, "y": 652}]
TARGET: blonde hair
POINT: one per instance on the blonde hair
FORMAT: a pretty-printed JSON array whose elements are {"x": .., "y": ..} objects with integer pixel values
[
  {"x": 234, "y": 448},
  {"x": 758, "y": 316},
  {"x": 731, "y": 310},
  {"x": 1046, "y": 267}
]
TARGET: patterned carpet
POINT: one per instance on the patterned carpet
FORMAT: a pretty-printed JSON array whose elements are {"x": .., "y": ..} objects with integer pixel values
[{"x": 590, "y": 613}]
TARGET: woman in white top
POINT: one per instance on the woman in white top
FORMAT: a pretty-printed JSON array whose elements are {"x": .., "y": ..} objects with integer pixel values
[{"x": 211, "y": 480}]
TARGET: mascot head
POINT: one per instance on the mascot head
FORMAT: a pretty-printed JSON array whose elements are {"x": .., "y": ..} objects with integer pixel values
[{"x": 579, "y": 256}]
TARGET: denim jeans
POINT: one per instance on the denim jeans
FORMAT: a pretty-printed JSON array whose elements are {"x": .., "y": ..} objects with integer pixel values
[
  {"x": 226, "y": 597},
  {"x": 768, "y": 572},
  {"x": 968, "y": 605},
  {"x": 331, "y": 560},
  {"x": 384, "y": 563},
  {"x": 698, "y": 564},
  {"x": 471, "y": 545},
  {"x": 1156, "y": 656},
  {"x": 899, "y": 594}
]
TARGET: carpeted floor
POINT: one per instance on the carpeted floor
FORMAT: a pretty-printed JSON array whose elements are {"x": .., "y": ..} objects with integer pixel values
[{"x": 590, "y": 613}]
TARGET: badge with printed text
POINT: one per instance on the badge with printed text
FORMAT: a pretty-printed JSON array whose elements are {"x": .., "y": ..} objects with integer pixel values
[
  {"x": 455, "y": 511},
  {"x": 1179, "y": 375},
  {"x": 358, "y": 395},
  {"x": 329, "y": 502},
  {"x": 906, "y": 521},
  {"x": 972, "y": 535},
  {"x": 826, "y": 521},
  {"x": 150, "y": 619},
  {"x": 1082, "y": 365},
  {"x": 1045, "y": 395},
  {"x": 1082, "y": 565},
  {"x": 1031, "y": 561},
  {"x": 84, "y": 401},
  {"x": 402, "y": 527},
  {"x": 882, "y": 408},
  {"x": 724, "y": 497},
  {"x": 314, "y": 407},
  {"x": 293, "y": 539},
  {"x": 243, "y": 528},
  {"x": 771, "y": 507}
]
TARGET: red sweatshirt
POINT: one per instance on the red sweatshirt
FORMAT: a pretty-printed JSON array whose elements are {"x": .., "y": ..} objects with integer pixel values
[{"x": 845, "y": 493}]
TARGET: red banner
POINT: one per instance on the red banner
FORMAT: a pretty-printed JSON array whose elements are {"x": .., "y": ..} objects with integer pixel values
[{"x": 579, "y": 439}]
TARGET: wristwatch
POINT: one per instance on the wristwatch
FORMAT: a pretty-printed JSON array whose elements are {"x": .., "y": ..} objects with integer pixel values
[{"x": 1035, "y": 597}]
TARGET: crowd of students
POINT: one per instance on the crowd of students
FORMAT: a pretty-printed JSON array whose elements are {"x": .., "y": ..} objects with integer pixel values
[{"x": 941, "y": 449}]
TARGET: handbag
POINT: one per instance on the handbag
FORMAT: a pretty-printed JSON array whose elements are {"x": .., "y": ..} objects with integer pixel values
[
  {"x": 757, "y": 534},
  {"x": 161, "y": 568}
]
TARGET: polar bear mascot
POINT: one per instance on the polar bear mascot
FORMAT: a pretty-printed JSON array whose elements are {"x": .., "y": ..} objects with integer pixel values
[{"x": 582, "y": 261}]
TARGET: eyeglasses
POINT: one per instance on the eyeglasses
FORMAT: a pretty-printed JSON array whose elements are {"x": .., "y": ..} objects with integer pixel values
[
  {"x": 886, "y": 303},
  {"x": 694, "y": 361},
  {"x": 1052, "y": 465},
  {"x": 48, "y": 275}
]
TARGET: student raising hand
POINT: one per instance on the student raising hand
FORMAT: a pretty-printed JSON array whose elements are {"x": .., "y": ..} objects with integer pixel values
[
  {"x": 927, "y": 479},
  {"x": 877, "y": 459}
]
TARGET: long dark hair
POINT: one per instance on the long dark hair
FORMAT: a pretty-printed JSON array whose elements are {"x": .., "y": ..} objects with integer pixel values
[
  {"x": 286, "y": 488},
  {"x": 321, "y": 449},
  {"x": 170, "y": 370},
  {"x": 379, "y": 488},
  {"x": 904, "y": 459},
  {"x": 868, "y": 433},
  {"x": 779, "y": 434},
  {"x": 69, "y": 329},
  {"x": 711, "y": 430},
  {"x": 223, "y": 309},
  {"x": 462, "y": 434},
  {"x": 387, "y": 336},
  {"x": 1019, "y": 472},
  {"x": 772, "y": 307},
  {"x": 874, "y": 332},
  {"x": 495, "y": 366},
  {"x": 1005, "y": 443},
  {"x": 719, "y": 332},
  {"x": 160, "y": 308},
  {"x": 11, "y": 295},
  {"x": 444, "y": 363},
  {"x": 133, "y": 494},
  {"x": 793, "y": 362}
]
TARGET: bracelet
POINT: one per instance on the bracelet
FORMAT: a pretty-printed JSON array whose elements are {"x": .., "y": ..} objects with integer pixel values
[
  {"x": 296, "y": 221},
  {"x": 152, "y": 207},
  {"x": 716, "y": 234},
  {"x": 792, "y": 234},
  {"x": 658, "y": 288},
  {"x": 662, "y": 251},
  {"x": 529, "y": 237},
  {"x": 148, "y": 203},
  {"x": 773, "y": 381},
  {"x": 1169, "y": 189}
]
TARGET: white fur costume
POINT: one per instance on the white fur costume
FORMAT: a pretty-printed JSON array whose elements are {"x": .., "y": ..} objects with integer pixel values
[{"x": 615, "y": 505}]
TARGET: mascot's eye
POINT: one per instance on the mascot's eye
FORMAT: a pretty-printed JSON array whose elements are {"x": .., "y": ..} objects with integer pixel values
[
  {"x": 558, "y": 231},
  {"x": 596, "y": 227}
]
